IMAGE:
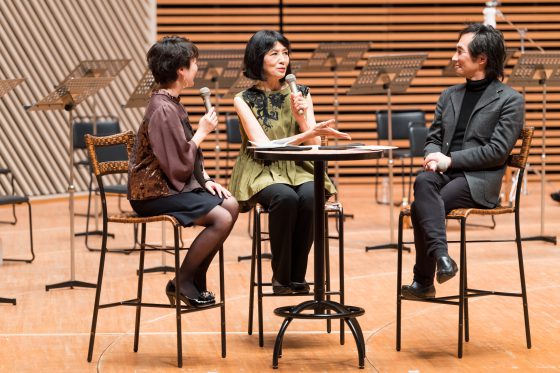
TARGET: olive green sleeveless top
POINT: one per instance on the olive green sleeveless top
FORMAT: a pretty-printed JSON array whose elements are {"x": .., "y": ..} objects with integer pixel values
[{"x": 249, "y": 176}]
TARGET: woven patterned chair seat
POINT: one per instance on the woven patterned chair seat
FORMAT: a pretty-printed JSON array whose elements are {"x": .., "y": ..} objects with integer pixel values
[
  {"x": 463, "y": 213},
  {"x": 130, "y": 217}
]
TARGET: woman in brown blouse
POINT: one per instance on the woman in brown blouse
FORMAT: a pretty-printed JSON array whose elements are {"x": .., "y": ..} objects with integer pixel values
[{"x": 166, "y": 172}]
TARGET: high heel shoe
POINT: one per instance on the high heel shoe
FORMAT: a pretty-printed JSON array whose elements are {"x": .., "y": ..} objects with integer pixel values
[{"x": 193, "y": 302}]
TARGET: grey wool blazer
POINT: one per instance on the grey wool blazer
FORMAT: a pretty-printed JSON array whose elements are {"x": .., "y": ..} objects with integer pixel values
[{"x": 491, "y": 133}]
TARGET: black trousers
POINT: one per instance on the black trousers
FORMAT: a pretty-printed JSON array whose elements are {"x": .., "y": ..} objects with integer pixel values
[
  {"x": 290, "y": 223},
  {"x": 435, "y": 195}
]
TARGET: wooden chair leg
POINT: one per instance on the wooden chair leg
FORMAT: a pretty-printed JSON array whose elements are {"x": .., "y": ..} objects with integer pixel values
[
  {"x": 223, "y": 301},
  {"x": 399, "y": 280},
  {"x": 461, "y": 289},
  {"x": 98, "y": 291},
  {"x": 522, "y": 280},
  {"x": 140, "y": 283},
  {"x": 177, "y": 297},
  {"x": 257, "y": 237},
  {"x": 252, "y": 285},
  {"x": 340, "y": 221}
]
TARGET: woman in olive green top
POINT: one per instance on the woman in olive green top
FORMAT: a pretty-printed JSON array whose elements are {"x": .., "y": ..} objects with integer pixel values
[{"x": 268, "y": 111}]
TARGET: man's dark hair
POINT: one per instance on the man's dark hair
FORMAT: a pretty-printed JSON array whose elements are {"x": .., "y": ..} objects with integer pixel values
[
  {"x": 490, "y": 42},
  {"x": 168, "y": 55},
  {"x": 257, "y": 47}
]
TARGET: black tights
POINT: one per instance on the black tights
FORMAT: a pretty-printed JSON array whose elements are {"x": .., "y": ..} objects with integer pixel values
[{"x": 218, "y": 224}]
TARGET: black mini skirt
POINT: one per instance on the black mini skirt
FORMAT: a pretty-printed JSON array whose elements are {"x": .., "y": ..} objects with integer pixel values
[{"x": 185, "y": 207}]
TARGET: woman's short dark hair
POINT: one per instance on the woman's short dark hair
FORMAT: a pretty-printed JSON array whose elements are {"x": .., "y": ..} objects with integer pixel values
[
  {"x": 257, "y": 47},
  {"x": 490, "y": 42},
  {"x": 168, "y": 55}
]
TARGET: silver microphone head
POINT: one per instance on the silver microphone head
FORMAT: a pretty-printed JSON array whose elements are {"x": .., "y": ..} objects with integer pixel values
[
  {"x": 205, "y": 92},
  {"x": 290, "y": 78}
]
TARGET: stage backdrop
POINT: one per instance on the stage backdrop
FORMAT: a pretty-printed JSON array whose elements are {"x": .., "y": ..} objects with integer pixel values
[
  {"x": 392, "y": 26},
  {"x": 42, "y": 41}
]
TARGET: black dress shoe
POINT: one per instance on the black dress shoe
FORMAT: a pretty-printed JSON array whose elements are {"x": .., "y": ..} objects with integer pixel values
[
  {"x": 446, "y": 268},
  {"x": 418, "y": 291},
  {"x": 207, "y": 295},
  {"x": 197, "y": 302},
  {"x": 299, "y": 287},
  {"x": 280, "y": 289},
  {"x": 555, "y": 196}
]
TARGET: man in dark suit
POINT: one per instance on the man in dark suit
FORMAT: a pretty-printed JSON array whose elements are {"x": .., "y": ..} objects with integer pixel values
[{"x": 475, "y": 127}]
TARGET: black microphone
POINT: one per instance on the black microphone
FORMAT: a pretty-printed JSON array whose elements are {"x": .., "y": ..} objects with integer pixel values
[
  {"x": 205, "y": 94},
  {"x": 291, "y": 80}
]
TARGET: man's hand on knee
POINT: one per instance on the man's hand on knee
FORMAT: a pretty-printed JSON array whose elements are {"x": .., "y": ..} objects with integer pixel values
[{"x": 437, "y": 162}]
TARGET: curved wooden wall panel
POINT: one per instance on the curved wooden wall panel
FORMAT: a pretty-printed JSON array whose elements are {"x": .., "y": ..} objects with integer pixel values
[{"x": 392, "y": 26}]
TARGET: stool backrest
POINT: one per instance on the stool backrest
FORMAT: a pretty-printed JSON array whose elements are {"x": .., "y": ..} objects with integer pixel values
[
  {"x": 105, "y": 167},
  {"x": 402, "y": 120},
  {"x": 519, "y": 160},
  {"x": 233, "y": 134},
  {"x": 417, "y": 137}
]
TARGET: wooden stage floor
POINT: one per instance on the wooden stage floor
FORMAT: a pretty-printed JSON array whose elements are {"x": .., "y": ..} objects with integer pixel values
[{"x": 49, "y": 331}]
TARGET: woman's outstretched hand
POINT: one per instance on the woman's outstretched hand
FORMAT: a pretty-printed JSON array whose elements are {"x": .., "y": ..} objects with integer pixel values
[
  {"x": 215, "y": 188},
  {"x": 325, "y": 129}
]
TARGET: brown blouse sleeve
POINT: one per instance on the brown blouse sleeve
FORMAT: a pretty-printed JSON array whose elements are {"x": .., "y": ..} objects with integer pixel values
[{"x": 176, "y": 155}]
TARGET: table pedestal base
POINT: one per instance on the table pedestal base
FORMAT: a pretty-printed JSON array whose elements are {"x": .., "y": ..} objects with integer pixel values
[{"x": 320, "y": 308}]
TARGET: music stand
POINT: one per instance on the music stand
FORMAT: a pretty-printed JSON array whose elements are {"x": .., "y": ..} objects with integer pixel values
[
  {"x": 335, "y": 57},
  {"x": 138, "y": 99},
  {"x": 534, "y": 69},
  {"x": 6, "y": 85},
  {"x": 84, "y": 81},
  {"x": 141, "y": 94},
  {"x": 219, "y": 69},
  {"x": 388, "y": 74}
]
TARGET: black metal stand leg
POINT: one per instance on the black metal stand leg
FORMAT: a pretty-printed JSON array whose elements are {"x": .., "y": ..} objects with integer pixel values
[
  {"x": 248, "y": 257},
  {"x": 549, "y": 239},
  {"x": 8, "y": 300},
  {"x": 278, "y": 343},
  {"x": 163, "y": 269},
  {"x": 322, "y": 311},
  {"x": 70, "y": 284},
  {"x": 354, "y": 326},
  {"x": 386, "y": 246}
]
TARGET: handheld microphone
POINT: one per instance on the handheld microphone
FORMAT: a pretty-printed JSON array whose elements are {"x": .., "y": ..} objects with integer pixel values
[
  {"x": 291, "y": 80},
  {"x": 489, "y": 13},
  {"x": 205, "y": 94}
]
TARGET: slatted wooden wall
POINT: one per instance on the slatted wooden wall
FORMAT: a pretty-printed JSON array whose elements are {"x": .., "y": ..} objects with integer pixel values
[
  {"x": 392, "y": 26},
  {"x": 42, "y": 41}
]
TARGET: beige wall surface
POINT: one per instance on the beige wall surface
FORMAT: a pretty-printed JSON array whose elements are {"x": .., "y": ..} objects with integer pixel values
[{"x": 43, "y": 41}]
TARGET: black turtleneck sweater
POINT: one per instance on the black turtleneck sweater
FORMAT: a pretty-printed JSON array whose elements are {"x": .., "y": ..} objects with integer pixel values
[{"x": 474, "y": 90}]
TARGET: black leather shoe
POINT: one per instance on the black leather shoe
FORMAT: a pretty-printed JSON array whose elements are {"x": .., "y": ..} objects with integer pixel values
[
  {"x": 418, "y": 291},
  {"x": 446, "y": 268},
  {"x": 197, "y": 302},
  {"x": 555, "y": 196},
  {"x": 279, "y": 289},
  {"x": 299, "y": 287}
]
